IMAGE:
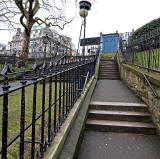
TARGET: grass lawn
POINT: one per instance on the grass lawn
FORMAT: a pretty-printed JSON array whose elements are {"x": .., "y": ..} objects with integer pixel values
[
  {"x": 142, "y": 59},
  {"x": 28, "y": 67},
  {"x": 14, "y": 117}
]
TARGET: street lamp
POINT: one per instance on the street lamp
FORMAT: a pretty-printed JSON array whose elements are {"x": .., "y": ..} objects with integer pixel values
[{"x": 84, "y": 6}]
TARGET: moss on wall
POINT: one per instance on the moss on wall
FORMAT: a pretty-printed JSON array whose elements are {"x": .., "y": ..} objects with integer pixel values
[{"x": 135, "y": 81}]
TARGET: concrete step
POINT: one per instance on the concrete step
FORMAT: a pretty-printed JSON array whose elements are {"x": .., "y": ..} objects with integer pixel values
[
  {"x": 101, "y": 78},
  {"x": 108, "y": 62},
  {"x": 108, "y": 65},
  {"x": 107, "y": 68},
  {"x": 109, "y": 76},
  {"x": 110, "y": 69},
  {"x": 109, "y": 73},
  {"x": 107, "y": 59},
  {"x": 121, "y": 126},
  {"x": 117, "y": 115},
  {"x": 141, "y": 107}
]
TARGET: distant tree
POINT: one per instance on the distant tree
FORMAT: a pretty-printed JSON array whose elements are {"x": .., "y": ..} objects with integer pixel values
[
  {"x": 30, "y": 12},
  {"x": 145, "y": 29}
]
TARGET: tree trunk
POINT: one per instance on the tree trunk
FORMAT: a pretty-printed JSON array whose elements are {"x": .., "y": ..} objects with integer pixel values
[{"x": 25, "y": 48}]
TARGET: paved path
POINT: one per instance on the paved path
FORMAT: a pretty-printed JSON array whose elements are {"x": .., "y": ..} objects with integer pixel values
[
  {"x": 11, "y": 84},
  {"x": 113, "y": 91},
  {"x": 99, "y": 145},
  {"x": 103, "y": 145}
]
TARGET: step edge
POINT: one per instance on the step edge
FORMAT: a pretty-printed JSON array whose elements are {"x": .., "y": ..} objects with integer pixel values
[
  {"x": 116, "y": 103},
  {"x": 123, "y": 123},
  {"x": 114, "y": 112}
]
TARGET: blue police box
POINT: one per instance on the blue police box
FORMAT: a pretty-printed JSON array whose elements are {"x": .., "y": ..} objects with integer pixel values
[{"x": 110, "y": 42}]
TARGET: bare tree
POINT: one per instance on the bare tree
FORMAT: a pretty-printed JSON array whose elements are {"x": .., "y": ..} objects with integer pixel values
[
  {"x": 30, "y": 12},
  {"x": 8, "y": 11}
]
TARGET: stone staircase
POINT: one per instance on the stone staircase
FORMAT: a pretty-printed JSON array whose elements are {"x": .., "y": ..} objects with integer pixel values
[
  {"x": 116, "y": 109},
  {"x": 108, "y": 70},
  {"x": 120, "y": 117}
]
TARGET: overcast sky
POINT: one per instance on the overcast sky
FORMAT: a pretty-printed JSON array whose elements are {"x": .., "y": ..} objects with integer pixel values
[{"x": 107, "y": 16}]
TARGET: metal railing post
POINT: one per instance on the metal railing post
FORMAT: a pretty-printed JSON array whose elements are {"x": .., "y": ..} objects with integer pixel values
[
  {"x": 34, "y": 117},
  {"x": 22, "y": 118},
  {"x": 63, "y": 84},
  {"x": 5, "y": 119}
]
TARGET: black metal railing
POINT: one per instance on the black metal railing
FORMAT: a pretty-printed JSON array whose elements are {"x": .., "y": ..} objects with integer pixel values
[
  {"x": 150, "y": 86},
  {"x": 116, "y": 58},
  {"x": 7, "y": 59},
  {"x": 33, "y": 112},
  {"x": 144, "y": 51}
]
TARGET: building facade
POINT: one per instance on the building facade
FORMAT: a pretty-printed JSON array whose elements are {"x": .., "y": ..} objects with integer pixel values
[
  {"x": 125, "y": 38},
  {"x": 55, "y": 44},
  {"x": 5, "y": 49}
]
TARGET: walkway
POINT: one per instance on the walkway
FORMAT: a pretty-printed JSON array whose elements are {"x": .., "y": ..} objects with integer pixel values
[{"x": 105, "y": 145}]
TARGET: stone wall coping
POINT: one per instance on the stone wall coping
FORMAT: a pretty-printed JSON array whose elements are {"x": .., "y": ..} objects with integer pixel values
[
  {"x": 59, "y": 140},
  {"x": 152, "y": 79}
]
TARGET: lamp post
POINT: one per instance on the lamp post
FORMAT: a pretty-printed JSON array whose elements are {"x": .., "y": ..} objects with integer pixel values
[
  {"x": 45, "y": 41},
  {"x": 50, "y": 42},
  {"x": 10, "y": 45},
  {"x": 84, "y": 6},
  {"x": 35, "y": 49}
]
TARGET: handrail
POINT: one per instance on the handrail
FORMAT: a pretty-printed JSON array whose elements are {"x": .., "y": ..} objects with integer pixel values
[
  {"x": 149, "y": 84},
  {"x": 117, "y": 59},
  {"x": 86, "y": 78}
]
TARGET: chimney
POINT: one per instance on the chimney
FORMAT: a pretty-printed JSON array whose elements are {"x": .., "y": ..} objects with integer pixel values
[{"x": 18, "y": 30}]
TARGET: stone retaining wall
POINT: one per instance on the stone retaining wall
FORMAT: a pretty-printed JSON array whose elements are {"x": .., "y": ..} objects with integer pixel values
[{"x": 135, "y": 81}]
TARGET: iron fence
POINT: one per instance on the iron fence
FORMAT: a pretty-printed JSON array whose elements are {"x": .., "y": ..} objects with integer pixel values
[
  {"x": 144, "y": 51},
  {"x": 10, "y": 59},
  {"x": 60, "y": 84},
  {"x": 51, "y": 50}
]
